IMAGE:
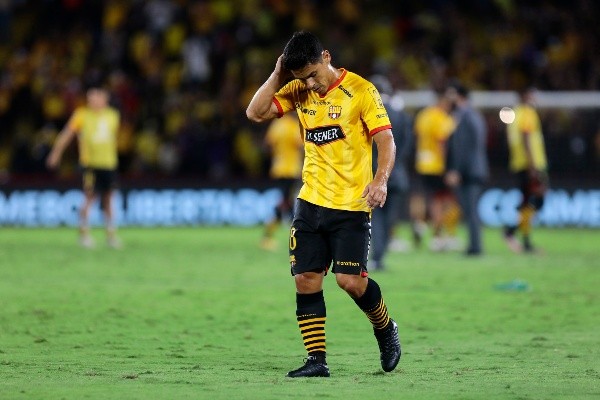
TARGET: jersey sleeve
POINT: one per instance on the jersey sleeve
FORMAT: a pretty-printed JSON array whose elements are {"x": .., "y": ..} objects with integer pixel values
[
  {"x": 373, "y": 112},
  {"x": 446, "y": 126},
  {"x": 284, "y": 99},
  {"x": 76, "y": 120}
]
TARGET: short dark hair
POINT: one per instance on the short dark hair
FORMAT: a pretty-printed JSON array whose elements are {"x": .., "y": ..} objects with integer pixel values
[
  {"x": 302, "y": 49},
  {"x": 525, "y": 90},
  {"x": 457, "y": 85}
]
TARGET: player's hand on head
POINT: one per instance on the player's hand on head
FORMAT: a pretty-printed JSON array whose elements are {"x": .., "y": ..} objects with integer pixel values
[{"x": 283, "y": 73}]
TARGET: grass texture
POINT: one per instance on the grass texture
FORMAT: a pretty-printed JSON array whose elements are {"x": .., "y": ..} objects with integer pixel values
[{"x": 204, "y": 313}]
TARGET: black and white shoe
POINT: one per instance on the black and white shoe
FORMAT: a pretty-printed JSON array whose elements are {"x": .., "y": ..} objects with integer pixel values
[
  {"x": 389, "y": 346},
  {"x": 313, "y": 367}
]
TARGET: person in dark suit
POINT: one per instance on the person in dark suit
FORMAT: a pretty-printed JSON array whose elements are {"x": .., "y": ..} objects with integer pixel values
[{"x": 467, "y": 168}]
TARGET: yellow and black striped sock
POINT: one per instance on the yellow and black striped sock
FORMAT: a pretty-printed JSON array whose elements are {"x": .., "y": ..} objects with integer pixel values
[
  {"x": 311, "y": 316},
  {"x": 451, "y": 218},
  {"x": 270, "y": 228},
  {"x": 526, "y": 215},
  {"x": 372, "y": 304}
]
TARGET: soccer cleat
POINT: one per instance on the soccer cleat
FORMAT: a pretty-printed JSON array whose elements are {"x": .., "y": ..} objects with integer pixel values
[
  {"x": 513, "y": 244},
  {"x": 87, "y": 241},
  {"x": 268, "y": 244},
  {"x": 313, "y": 367},
  {"x": 114, "y": 243},
  {"x": 389, "y": 346},
  {"x": 452, "y": 243},
  {"x": 529, "y": 249},
  {"x": 473, "y": 252},
  {"x": 399, "y": 246},
  {"x": 510, "y": 239},
  {"x": 418, "y": 231},
  {"x": 437, "y": 244}
]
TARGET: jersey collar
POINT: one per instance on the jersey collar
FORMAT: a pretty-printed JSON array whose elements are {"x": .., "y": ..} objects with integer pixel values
[{"x": 336, "y": 83}]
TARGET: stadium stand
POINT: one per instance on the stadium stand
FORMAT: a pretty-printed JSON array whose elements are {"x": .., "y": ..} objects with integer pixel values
[{"x": 181, "y": 72}]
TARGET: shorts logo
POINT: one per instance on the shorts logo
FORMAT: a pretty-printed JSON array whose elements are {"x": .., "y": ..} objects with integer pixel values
[
  {"x": 347, "y": 264},
  {"x": 324, "y": 134},
  {"x": 335, "y": 112}
]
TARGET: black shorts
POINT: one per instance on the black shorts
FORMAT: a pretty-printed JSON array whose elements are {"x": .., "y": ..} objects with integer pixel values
[
  {"x": 320, "y": 236},
  {"x": 289, "y": 188},
  {"x": 434, "y": 185},
  {"x": 99, "y": 180},
  {"x": 532, "y": 188}
]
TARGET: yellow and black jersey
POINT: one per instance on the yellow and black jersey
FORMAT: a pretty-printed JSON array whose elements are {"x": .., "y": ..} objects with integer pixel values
[
  {"x": 338, "y": 130},
  {"x": 527, "y": 122},
  {"x": 97, "y": 132},
  {"x": 284, "y": 138},
  {"x": 433, "y": 126}
]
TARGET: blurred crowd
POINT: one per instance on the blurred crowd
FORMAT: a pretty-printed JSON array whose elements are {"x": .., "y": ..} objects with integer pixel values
[{"x": 181, "y": 72}]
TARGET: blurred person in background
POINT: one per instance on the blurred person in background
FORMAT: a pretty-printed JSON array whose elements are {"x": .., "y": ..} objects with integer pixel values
[
  {"x": 95, "y": 125},
  {"x": 384, "y": 218},
  {"x": 528, "y": 163},
  {"x": 468, "y": 169},
  {"x": 285, "y": 141},
  {"x": 342, "y": 115},
  {"x": 433, "y": 127}
]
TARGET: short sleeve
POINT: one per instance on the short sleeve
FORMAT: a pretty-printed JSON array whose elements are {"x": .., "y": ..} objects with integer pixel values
[
  {"x": 76, "y": 120},
  {"x": 284, "y": 99},
  {"x": 440, "y": 124},
  {"x": 447, "y": 126},
  {"x": 374, "y": 114}
]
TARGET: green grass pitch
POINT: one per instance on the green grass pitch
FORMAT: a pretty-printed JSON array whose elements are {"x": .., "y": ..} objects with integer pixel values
[{"x": 203, "y": 313}]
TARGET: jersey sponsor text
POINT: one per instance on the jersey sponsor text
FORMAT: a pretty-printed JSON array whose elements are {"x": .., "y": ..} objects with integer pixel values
[{"x": 324, "y": 135}]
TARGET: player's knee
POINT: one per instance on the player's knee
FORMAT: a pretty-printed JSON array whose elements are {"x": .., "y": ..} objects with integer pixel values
[
  {"x": 308, "y": 282},
  {"x": 537, "y": 202},
  {"x": 354, "y": 285},
  {"x": 278, "y": 213}
]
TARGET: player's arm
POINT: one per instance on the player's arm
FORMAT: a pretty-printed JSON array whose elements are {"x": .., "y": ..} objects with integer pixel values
[
  {"x": 376, "y": 191},
  {"x": 455, "y": 150},
  {"x": 262, "y": 107},
  {"x": 62, "y": 141}
]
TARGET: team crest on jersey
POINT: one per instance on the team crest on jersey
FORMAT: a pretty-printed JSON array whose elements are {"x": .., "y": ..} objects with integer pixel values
[
  {"x": 335, "y": 112},
  {"x": 324, "y": 134}
]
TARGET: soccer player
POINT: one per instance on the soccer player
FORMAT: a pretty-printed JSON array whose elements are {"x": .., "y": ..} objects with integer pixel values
[
  {"x": 285, "y": 141},
  {"x": 528, "y": 163},
  {"x": 433, "y": 126},
  {"x": 341, "y": 114},
  {"x": 96, "y": 126},
  {"x": 467, "y": 162}
]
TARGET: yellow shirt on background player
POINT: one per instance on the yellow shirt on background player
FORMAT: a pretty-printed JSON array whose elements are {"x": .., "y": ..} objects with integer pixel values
[
  {"x": 527, "y": 122},
  {"x": 97, "y": 131},
  {"x": 338, "y": 129},
  {"x": 433, "y": 126},
  {"x": 285, "y": 141}
]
